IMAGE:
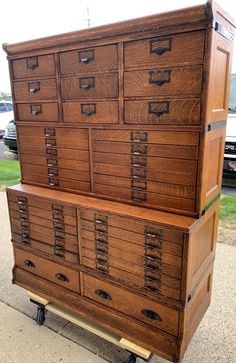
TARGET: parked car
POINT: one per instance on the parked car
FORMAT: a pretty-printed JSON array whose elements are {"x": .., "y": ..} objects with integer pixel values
[
  {"x": 229, "y": 169},
  {"x": 6, "y": 115},
  {"x": 9, "y": 138}
]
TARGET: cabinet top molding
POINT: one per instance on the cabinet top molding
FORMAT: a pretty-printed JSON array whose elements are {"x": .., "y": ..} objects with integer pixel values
[{"x": 209, "y": 15}]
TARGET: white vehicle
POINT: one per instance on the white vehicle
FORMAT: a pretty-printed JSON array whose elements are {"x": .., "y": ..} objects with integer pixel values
[
  {"x": 6, "y": 115},
  {"x": 230, "y": 140}
]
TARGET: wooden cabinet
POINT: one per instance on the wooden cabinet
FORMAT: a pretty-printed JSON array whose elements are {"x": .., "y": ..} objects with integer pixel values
[{"x": 121, "y": 141}]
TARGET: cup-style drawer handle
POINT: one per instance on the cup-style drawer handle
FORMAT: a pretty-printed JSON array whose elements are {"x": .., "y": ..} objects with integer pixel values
[
  {"x": 32, "y": 63},
  {"x": 61, "y": 277},
  {"x": 103, "y": 294},
  {"x": 86, "y": 56},
  {"x": 160, "y": 46},
  {"x": 86, "y": 83},
  {"x": 158, "y": 108},
  {"x": 36, "y": 109},
  {"x": 151, "y": 314},
  {"x": 158, "y": 78},
  {"x": 29, "y": 263}
]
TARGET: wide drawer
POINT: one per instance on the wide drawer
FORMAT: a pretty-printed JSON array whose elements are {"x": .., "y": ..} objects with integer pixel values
[
  {"x": 51, "y": 271},
  {"x": 43, "y": 65},
  {"x": 34, "y": 90},
  {"x": 92, "y": 112},
  {"x": 151, "y": 313},
  {"x": 97, "y": 86},
  {"x": 176, "y": 49},
  {"x": 163, "y": 81},
  {"x": 163, "y": 111},
  {"x": 38, "y": 112},
  {"x": 89, "y": 60}
]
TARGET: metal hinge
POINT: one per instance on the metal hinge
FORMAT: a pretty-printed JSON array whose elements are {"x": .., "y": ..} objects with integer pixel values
[{"x": 214, "y": 126}]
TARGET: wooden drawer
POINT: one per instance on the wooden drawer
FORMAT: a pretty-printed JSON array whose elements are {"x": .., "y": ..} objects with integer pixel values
[
  {"x": 71, "y": 154},
  {"x": 89, "y": 60},
  {"x": 163, "y": 111},
  {"x": 34, "y": 90},
  {"x": 38, "y": 112},
  {"x": 49, "y": 250},
  {"x": 93, "y": 112},
  {"x": 48, "y": 270},
  {"x": 176, "y": 49},
  {"x": 151, "y": 313},
  {"x": 56, "y": 182},
  {"x": 37, "y": 66},
  {"x": 163, "y": 81},
  {"x": 97, "y": 86}
]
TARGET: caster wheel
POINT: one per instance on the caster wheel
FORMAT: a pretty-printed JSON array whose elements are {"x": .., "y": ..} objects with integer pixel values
[
  {"x": 131, "y": 359},
  {"x": 40, "y": 318}
]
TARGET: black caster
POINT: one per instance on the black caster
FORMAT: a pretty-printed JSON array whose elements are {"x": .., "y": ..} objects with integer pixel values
[
  {"x": 131, "y": 359},
  {"x": 40, "y": 318}
]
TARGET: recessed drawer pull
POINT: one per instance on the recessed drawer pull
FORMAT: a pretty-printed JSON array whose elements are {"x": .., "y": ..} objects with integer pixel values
[
  {"x": 103, "y": 294},
  {"x": 29, "y": 263},
  {"x": 158, "y": 108},
  {"x": 151, "y": 315},
  {"x": 160, "y": 46},
  {"x": 61, "y": 277},
  {"x": 86, "y": 56}
]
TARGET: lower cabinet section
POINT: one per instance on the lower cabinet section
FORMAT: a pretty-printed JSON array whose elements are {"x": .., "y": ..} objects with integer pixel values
[{"x": 116, "y": 264}]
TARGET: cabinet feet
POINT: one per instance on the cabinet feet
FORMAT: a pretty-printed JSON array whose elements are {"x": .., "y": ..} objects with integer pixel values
[{"x": 40, "y": 318}]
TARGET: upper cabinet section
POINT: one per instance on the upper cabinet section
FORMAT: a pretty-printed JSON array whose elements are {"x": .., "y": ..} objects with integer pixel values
[{"x": 89, "y": 60}]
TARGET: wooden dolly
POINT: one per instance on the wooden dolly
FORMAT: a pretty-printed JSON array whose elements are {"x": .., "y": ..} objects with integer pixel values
[{"x": 43, "y": 305}]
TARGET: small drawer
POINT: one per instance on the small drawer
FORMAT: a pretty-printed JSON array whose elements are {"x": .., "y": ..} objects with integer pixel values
[
  {"x": 97, "y": 86},
  {"x": 48, "y": 270},
  {"x": 89, "y": 60},
  {"x": 91, "y": 112},
  {"x": 37, "y": 66},
  {"x": 38, "y": 112},
  {"x": 163, "y": 81},
  {"x": 151, "y": 313},
  {"x": 178, "y": 49},
  {"x": 163, "y": 111},
  {"x": 35, "y": 90}
]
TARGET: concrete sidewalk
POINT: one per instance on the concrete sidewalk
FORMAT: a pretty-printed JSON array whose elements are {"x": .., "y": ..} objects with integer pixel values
[{"x": 20, "y": 337}]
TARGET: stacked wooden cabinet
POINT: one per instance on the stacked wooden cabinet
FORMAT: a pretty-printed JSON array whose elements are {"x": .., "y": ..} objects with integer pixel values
[{"x": 121, "y": 141}]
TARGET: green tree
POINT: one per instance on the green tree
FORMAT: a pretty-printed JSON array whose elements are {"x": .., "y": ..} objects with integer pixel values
[{"x": 3, "y": 96}]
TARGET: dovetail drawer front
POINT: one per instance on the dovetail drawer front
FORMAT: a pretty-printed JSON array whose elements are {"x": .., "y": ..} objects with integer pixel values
[
  {"x": 163, "y": 111},
  {"x": 34, "y": 90},
  {"x": 37, "y": 66},
  {"x": 154, "y": 314},
  {"x": 89, "y": 60},
  {"x": 163, "y": 82},
  {"x": 95, "y": 86},
  {"x": 45, "y": 112},
  {"x": 48, "y": 270},
  {"x": 91, "y": 112},
  {"x": 179, "y": 49}
]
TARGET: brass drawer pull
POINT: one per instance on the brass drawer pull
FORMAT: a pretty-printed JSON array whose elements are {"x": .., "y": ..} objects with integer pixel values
[
  {"x": 88, "y": 109},
  {"x": 103, "y": 294},
  {"x": 61, "y": 277},
  {"x": 158, "y": 108},
  {"x": 86, "y": 56},
  {"x": 158, "y": 78},
  {"x": 32, "y": 63},
  {"x": 151, "y": 314},
  {"x": 29, "y": 263},
  {"x": 160, "y": 46},
  {"x": 36, "y": 109},
  {"x": 34, "y": 87},
  {"x": 86, "y": 83}
]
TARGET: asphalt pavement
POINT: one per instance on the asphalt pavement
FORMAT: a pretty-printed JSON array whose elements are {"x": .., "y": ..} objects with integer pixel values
[
  {"x": 5, "y": 154},
  {"x": 22, "y": 341}
]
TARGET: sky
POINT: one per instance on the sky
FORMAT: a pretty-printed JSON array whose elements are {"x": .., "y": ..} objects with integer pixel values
[{"x": 26, "y": 19}]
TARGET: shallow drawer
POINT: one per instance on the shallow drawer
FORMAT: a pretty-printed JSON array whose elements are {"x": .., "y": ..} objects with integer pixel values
[
  {"x": 99, "y": 86},
  {"x": 172, "y": 49},
  {"x": 53, "y": 132},
  {"x": 70, "y": 154},
  {"x": 38, "y": 112},
  {"x": 162, "y": 81},
  {"x": 71, "y": 165},
  {"x": 43, "y": 65},
  {"x": 56, "y": 182},
  {"x": 163, "y": 111},
  {"x": 88, "y": 60},
  {"x": 51, "y": 271},
  {"x": 148, "y": 137},
  {"x": 93, "y": 112},
  {"x": 35, "y": 90},
  {"x": 151, "y": 313},
  {"x": 50, "y": 250}
]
